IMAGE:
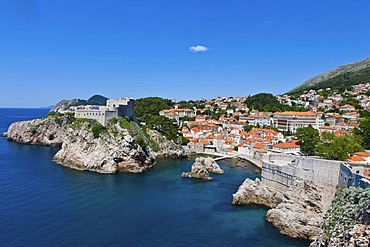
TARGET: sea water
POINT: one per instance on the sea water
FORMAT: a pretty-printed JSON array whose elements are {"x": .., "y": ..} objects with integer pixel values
[{"x": 45, "y": 204}]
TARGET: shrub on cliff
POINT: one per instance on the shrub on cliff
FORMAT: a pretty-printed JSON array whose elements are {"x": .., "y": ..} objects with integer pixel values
[
  {"x": 347, "y": 209},
  {"x": 89, "y": 124}
]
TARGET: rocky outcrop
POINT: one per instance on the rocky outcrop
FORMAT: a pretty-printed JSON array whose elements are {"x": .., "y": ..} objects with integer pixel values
[
  {"x": 254, "y": 192},
  {"x": 300, "y": 212},
  {"x": 165, "y": 148},
  {"x": 86, "y": 145},
  {"x": 46, "y": 131},
  {"x": 347, "y": 222},
  {"x": 297, "y": 212},
  {"x": 202, "y": 167},
  {"x": 114, "y": 151}
]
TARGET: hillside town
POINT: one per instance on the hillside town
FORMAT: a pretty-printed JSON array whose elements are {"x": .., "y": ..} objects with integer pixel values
[{"x": 240, "y": 129}]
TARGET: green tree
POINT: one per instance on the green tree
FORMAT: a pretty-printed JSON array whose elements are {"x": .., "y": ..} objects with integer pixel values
[
  {"x": 364, "y": 131},
  {"x": 309, "y": 139},
  {"x": 339, "y": 147},
  {"x": 247, "y": 127},
  {"x": 151, "y": 105}
]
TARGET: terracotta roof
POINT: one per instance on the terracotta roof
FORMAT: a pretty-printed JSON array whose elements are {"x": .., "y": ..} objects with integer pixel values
[
  {"x": 309, "y": 113},
  {"x": 258, "y": 145},
  {"x": 363, "y": 154},
  {"x": 356, "y": 159},
  {"x": 327, "y": 127},
  {"x": 286, "y": 145},
  {"x": 204, "y": 142}
]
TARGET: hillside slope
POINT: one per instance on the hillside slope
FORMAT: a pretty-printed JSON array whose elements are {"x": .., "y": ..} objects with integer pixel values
[{"x": 338, "y": 78}]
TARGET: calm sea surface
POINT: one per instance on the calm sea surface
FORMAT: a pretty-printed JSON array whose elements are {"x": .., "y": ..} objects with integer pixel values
[{"x": 45, "y": 204}]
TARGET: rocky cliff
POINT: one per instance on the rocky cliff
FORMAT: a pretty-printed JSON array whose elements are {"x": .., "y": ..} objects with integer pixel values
[
  {"x": 46, "y": 131},
  {"x": 202, "y": 167},
  {"x": 347, "y": 222},
  {"x": 114, "y": 150},
  {"x": 254, "y": 192},
  {"x": 165, "y": 148},
  {"x": 297, "y": 212},
  {"x": 86, "y": 145}
]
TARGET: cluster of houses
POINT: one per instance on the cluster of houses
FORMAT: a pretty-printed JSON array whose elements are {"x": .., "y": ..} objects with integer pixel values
[{"x": 271, "y": 130}]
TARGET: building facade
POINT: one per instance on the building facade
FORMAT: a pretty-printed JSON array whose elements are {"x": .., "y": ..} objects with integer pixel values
[
  {"x": 291, "y": 121},
  {"x": 114, "y": 108}
]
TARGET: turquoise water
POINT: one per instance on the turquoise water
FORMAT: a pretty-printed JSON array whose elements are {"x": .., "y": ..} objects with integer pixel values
[{"x": 44, "y": 204}]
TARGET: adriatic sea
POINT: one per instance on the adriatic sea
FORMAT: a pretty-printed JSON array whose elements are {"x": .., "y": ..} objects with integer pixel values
[{"x": 45, "y": 204}]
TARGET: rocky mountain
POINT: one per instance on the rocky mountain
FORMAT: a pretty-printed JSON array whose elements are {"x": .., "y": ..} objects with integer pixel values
[
  {"x": 93, "y": 100},
  {"x": 341, "y": 77}
]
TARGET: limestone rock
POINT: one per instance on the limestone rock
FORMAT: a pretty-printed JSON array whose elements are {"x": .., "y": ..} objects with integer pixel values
[
  {"x": 202, "y": 167},
  {"x": 297, "y": 212},
  {"x": 46, "y": 131},
  {"x": 113, "y": 151},
  {"x": 110, "y": 153},
  {"x": 254, "y": 192},
  {"x": 167, "y": 149},
  {"x": 300, "y": 212}
]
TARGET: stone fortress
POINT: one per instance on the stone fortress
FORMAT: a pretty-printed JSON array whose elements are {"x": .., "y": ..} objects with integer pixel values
[
  {"x": 279, "y": 171},
  {"x": 114, "y": 108}
]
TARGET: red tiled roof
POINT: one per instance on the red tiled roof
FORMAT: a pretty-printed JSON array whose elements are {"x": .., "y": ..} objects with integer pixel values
[
  {"x": 356, "y": 159},
  {"x": 286, "y": 145},
  {"x": 363, "y": 154}
]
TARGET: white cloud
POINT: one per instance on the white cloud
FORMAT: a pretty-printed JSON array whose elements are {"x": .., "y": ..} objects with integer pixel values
[{"x": 198, "y": 48}]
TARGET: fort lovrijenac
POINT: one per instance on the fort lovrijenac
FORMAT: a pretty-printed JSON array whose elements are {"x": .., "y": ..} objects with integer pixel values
[{"x": 114, "y": 108}]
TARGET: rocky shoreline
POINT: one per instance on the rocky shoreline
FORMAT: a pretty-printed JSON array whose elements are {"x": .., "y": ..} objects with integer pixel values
[
  {"x": 106, "y": 150},
  {"x": 297, "y": 212}
]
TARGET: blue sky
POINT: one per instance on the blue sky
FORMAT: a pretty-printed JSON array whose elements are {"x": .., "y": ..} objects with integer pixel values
[{"x": 63, "y": 49}]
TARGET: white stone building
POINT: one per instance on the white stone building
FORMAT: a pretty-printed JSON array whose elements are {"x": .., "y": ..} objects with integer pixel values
[{"x": 114, "y": 108}]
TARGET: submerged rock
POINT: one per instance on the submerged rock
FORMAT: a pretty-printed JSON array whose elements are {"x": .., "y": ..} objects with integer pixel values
[{"x": 202, "y": 167}]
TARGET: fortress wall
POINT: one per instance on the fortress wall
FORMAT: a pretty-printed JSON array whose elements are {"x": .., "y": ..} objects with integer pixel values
[{"x": 280, "y": 170}]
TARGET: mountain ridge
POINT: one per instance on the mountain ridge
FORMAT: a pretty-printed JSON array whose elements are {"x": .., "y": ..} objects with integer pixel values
[{"x": 341, "y": 76}]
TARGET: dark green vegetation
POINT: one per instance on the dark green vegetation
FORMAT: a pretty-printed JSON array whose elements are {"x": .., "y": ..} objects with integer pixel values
[
  {"x": 339, "y": 147},
  {"x": 150, "y": 106},
  {"x": 339, "y": 78},
  {"x": 348, "y": 208},
  {"x": 329, "y": 146},
  {"x": 364, "y": 132},
  {"x": 309, "y": 139},
  {"x": 97, "y": 100},
  {"x": 266, "y": 102},
  {"x": 147, "y": 110}
]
